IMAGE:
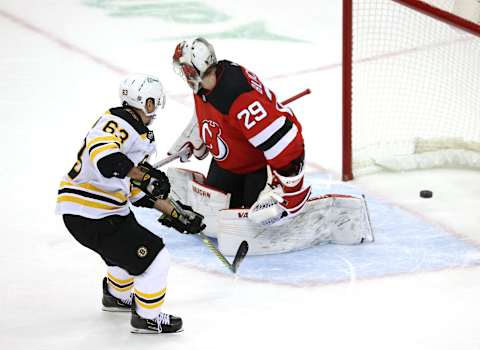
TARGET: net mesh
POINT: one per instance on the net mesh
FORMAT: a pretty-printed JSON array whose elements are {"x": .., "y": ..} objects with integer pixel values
[{"x": 415, "y": 89}]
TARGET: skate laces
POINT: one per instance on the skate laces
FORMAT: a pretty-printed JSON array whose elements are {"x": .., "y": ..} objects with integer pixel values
[
  {"x": 163, "y": 319},
  {"x": 127, "y": 301}
]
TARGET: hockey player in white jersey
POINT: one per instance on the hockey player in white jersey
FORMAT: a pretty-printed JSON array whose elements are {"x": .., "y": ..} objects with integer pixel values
[{"x": 111, "y": 171}]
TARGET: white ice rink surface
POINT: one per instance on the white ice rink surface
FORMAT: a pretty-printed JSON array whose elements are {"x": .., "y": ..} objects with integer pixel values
[{"x": 60, "y": 63}]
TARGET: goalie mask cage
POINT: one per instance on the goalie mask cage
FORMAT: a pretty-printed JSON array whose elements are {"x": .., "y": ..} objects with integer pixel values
[{"x": 411, "y": 86}]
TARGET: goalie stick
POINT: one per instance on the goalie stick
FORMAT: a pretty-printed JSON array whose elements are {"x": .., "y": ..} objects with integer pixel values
[
  {"x": 239, "y": 256},
  {"x": 296, "y": 97}
]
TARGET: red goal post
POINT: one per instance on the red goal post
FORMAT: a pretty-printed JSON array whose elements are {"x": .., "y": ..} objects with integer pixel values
[{"x": 411, "y": 86}]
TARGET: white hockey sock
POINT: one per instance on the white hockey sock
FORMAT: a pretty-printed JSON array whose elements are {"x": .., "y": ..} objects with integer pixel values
[
  {"x": 120, "y": 282},
  {"x": 150, "y": 286}
]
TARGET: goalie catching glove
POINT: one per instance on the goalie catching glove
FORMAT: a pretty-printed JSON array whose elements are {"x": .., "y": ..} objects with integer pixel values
[
  {"x": 183, "y": 219},
  {"x": 154, "y": 183},
  {"x": 282, "y": 199},
  {"x": 189, "y": 143}
]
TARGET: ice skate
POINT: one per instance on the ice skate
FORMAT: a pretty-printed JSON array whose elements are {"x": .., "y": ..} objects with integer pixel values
[
  {"x": 114, "y": 304},
  {"x": 163, "y": 323}
]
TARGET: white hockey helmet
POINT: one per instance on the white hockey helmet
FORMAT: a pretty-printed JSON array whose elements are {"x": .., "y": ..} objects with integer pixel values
[
  {"x": 191, "y": 60},
  {"x": 136, "y": 89}
]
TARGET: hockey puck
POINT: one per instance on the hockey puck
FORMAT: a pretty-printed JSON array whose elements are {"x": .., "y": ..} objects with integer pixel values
[{"x": 426, "y": 194}]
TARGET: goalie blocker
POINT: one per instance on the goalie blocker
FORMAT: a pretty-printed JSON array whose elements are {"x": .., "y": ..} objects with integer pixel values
[{"x": 332, "y": 218}]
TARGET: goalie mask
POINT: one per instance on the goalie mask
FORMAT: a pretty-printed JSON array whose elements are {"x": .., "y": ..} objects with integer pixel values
[
  {"x": 136, "y": 89},
  {"x": 192, "y": 59}
]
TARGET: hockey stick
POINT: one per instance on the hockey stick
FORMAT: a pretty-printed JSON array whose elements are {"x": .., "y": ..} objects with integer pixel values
[
  {"x": 239, "y": 256},
  {"x": 296, "y": 97},
  {"x": 182, "y": 153}
]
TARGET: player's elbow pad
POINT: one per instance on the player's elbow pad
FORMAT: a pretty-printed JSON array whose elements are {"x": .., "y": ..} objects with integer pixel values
[{"x": 115, "y": 165}]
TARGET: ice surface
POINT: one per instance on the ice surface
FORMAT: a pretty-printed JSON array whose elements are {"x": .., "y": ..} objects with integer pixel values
[
  {"x": 404, "y": 244},
  {"x": 417, "y": 287}
]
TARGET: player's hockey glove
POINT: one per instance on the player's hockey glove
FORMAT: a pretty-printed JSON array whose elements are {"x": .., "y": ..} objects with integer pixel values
[
  {"x": 154, "y": 183},
  {"x": 183, "y": 219}
]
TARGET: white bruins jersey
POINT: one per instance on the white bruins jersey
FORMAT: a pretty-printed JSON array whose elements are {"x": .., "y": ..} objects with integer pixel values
[{"x": 84, "y": 190}]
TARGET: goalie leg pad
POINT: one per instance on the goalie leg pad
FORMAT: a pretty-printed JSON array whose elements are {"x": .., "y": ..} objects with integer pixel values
[
  {"x": 349, "y": 221},
  {"x": 188, "y": 187},
  {"x": 332, "y": 218}
]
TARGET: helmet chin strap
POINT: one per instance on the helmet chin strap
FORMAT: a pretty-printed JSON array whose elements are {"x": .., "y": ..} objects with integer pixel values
[{"x": 153, "y": 114}]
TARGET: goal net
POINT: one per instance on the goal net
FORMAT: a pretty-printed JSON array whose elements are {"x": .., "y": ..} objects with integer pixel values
[{"x": 411, "y": 79}]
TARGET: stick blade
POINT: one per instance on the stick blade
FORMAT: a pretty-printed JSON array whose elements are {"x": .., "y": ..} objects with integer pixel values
[{"x": 241, "y": 253}]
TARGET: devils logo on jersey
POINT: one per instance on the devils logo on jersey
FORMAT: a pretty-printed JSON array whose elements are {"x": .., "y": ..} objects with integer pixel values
[{"x": 210, "y": 133}]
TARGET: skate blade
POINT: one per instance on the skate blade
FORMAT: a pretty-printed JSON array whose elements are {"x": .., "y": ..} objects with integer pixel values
[
  {"x": 115, "y": 309},
  {"x": 148, "y": 331}
]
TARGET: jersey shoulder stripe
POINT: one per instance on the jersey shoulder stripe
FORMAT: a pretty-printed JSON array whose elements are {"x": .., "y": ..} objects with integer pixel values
[
  {"x": 231, "y": 83},
  {"x": 102, "y": 148},
  {"x": 103, "y": 140}
]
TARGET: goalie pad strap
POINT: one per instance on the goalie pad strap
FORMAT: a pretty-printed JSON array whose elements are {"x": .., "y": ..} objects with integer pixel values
[{"x": 294, "y": 202}]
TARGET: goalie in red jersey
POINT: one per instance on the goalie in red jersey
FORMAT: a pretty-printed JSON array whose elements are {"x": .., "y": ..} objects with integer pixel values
[{"x": 241, "y": 124}]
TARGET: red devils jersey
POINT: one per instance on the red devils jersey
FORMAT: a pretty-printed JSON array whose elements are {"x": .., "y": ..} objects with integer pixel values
[{"x": 243, "y": 124}]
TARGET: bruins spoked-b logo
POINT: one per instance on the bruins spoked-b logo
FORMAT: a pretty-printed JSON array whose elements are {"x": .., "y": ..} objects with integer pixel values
[
  {"x": 150, "y": 136},
  {"x": 211, "y": 132},
  {"x": 142, "y": 251}
]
